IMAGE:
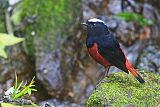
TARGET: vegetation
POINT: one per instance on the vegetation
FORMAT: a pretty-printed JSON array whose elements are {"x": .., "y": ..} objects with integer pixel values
[
  {"x": 130, "y": 16},
  {"x": 12, "y": 105},
  {"x": 48, "y": 20},
  {"x": 22, "y": 89},
  {"x": 121, "y": 89},
  {"x": 7, "y": 40},
  {"x": 2, "y": 29}
]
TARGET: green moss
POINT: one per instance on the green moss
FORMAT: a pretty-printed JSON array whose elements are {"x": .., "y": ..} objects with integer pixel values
[
  {"x": 2, "y": 23},
  {"x": 3, "y": 5},
  {"x": 53, "y": 17},
  {"x": 121, "y": 89}
]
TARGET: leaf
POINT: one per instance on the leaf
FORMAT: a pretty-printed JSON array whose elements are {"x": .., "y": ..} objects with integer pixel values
[
  {"x": 8, "y": 105},
  {"x": 8, "y": 40},
  {"x": 11, "y": 105},
  {"x": 2, "y": 52},
  {"x": 20, "y": 85},
  {"x": 15, "y": 84},
  {"x": 29, "y": 91},
  {"x": 33, "y": 89}
]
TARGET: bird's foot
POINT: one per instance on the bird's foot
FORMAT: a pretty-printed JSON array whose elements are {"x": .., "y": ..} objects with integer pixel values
[
  {"x": 97, "y": 85},
  {"x": 107, "y": 75},
  {"x": 102, "y": 81}
]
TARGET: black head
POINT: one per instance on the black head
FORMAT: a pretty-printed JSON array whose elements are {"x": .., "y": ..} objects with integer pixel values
[{"x": 96, "y": 27}]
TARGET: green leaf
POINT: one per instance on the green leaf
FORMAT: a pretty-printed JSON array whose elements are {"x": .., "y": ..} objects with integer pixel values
[
  {"x": 29, "y": 91},
  {"x": 20, "y": 85},
  {"x": 2, "y": 52},
  {"x": 9, "y": 105},
  {"x": 33, "y": 89},
  {"x": 15, "y": 85},
  {"x": 8, "y": 40}
]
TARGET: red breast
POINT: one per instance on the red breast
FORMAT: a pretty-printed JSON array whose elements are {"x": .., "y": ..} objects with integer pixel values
[{"x": 93, "y": 51}]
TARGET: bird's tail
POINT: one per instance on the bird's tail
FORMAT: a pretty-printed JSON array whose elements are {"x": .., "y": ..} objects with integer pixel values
[{"x": 134, "y": 72}]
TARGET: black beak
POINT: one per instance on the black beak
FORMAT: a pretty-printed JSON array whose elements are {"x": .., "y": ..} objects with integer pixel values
[{"x": 85, "y": 24}]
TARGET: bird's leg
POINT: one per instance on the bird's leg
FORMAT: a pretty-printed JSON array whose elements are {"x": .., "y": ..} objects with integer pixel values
[
  {"x": 103, "y": 76},
  {"x": 107, "y": 71}
]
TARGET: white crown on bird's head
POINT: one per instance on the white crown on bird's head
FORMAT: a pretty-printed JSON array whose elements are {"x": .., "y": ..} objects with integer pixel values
[{"x": 95, "y": 20}]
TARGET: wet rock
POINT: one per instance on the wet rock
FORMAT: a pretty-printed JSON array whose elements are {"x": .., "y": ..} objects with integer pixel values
[
  {"x": 57, "y": 103},
  {"x": 17, "y": 62},
  {"x": 13, "y": 2},
  {"x": 49, "y": 71},
  {"x": 111, "y": 23},
  {"x": 133, "y": 52},
  {"x": 89, "y": 90},
  {"x": 150, "y": 59},
  {"x": 155, "y": 3},
  {"x": 114, "y": 6},
  {"x": 7, "y": 99},
  {"x": 78, "y": 72},
  {"x": 94, "y": 8},
  {"x": 1, "y": 89},
  {"x": 79, "y": 86},
  {"x": 126, "y": 32},
  {"x": 152, "y": 13}
]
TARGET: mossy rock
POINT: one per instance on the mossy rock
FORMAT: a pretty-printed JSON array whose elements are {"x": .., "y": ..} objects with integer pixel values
[
  {"x": 47, "y": 21},
  {"x": 6, "y": 101},
  {"x": 123, "y": 90},
  {"x": 2, "y": 20},
  {"x": 2, "y": 25}
]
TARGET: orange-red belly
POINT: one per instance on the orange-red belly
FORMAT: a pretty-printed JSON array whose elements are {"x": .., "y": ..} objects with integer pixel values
[{"x": 93, "y": 51}]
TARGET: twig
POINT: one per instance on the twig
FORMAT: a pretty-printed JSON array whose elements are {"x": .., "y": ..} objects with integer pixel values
[{"x": 8, "y": 22}]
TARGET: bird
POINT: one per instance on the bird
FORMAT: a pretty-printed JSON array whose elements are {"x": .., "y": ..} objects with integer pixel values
[{"x": 104, "y": 48}]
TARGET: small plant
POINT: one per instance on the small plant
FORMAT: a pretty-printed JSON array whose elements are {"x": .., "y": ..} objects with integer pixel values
[
  {"x": 22, "y": 89},
  {"x": 130, "y": 16}
]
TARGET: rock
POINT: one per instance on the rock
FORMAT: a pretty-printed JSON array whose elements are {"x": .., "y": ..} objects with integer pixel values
[
  {"x": 57, "y": 103},
  {"x": 111, "y": 23},
  {"x": 13, "y": 2},
  {"x": 94, "y": 8},
  {"x": 17, "y": 62},
  {"x": 126, "y": 32},
  {"x": 121, "y": 89},
  {"x": 152, "y": 13},
  {"x": 134, "y": 51},
  {"x": 6, "y": 101},
  {"x": 89, "y": 90},
  {"x": 49, "y": 71},
  {"x": 114, "y": 6},
  {"x": 13, "y": 105},
  {"x": 149, "y": 58}
]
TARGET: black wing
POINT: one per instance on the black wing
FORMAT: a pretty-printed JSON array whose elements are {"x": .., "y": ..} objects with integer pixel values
[{"x": 110, "y": 49}]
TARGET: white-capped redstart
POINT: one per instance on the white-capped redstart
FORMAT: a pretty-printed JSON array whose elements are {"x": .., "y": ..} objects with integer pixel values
[{"x": 105, "y": 49}]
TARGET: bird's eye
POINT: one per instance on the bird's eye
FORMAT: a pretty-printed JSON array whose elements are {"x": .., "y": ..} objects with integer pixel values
[{"x": 94, "y": 24}]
